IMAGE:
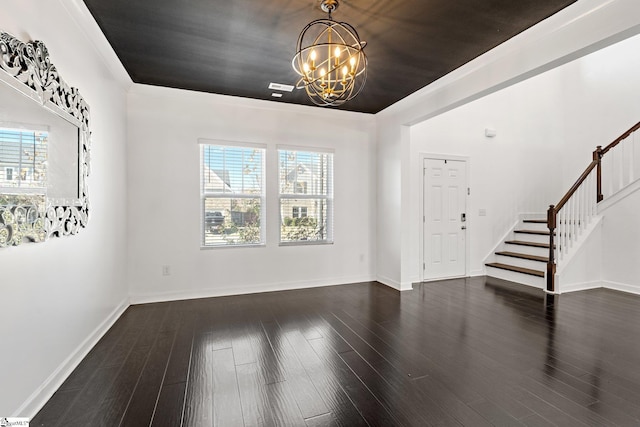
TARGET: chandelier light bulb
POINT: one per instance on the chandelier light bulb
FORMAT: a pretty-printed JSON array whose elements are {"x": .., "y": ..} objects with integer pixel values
[{"x": 313, "y": 59}]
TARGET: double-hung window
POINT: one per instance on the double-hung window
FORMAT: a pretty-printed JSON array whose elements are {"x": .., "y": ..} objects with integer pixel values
[
  {"x": 306, "y": 196},
  {"x": 232, "y": 193},
  {"x": 23, "y": 160}
]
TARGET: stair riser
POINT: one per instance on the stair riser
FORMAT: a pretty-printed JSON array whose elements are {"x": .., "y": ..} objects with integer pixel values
[
  {"x": 533, "y": 226},
  {"x": 529, "y": 250},
  {"x": 536, "y": 238},
  {"x": 525, "y": 279},
  {"x": 519, "y": 262}
]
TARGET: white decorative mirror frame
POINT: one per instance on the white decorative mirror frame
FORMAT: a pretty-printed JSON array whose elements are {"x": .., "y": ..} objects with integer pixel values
[{"x": 36, "y": 215}]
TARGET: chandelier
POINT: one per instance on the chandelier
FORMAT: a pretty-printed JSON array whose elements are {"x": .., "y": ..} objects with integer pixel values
[{"x": 330, "y": 60}]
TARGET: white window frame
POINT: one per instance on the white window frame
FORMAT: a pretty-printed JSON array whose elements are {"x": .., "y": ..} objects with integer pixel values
[
  {"x": 6, "y": 173},
  {"x": 329, "y": 197},
  {"x": 204, "y": 195}
]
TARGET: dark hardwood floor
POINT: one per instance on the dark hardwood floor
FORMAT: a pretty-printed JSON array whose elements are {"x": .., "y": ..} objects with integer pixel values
[{"x": 472, "y": 352}]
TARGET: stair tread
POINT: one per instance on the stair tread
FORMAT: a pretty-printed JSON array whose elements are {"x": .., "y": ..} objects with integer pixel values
[
  {"x": 541, "y": 232},
  {"x": 535, "y": 221},
  {"x": 523, "y": 243},
  {"x": 523, "y": 270},
  {"x": 523, "y": 256}
]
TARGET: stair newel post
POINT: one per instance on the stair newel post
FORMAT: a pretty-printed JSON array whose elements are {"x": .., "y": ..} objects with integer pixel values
[
  {"x": 597, "y": 156},
  {"x": 551, "y": 265}
]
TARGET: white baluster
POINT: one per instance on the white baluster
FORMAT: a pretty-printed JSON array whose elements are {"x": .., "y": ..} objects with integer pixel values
[
  {"x": 580, "y": 224},
  {"x": 559, "y": 235},
  {"x": 563, "y": 232},
  {"x": 572, "y": 222},
  {"x": 576, "y": 219},
  {"x": 620, "y": 167},
  {"x": 632, "y": 157},
  {"x": 608, "y": 172}
]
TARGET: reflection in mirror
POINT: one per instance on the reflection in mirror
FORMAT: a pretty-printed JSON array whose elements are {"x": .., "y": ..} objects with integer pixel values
[
  {"x": 38, "y": 149},
  {"x": 44, "y": 147}
]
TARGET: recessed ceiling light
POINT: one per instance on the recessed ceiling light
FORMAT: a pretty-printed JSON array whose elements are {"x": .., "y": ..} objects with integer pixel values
[
  {"x": 280, "y": 86},
  {"x": 276, "y": 95}
]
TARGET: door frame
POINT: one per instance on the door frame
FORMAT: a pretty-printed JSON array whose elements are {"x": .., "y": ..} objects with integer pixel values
[{"x": 467, "y": 251}]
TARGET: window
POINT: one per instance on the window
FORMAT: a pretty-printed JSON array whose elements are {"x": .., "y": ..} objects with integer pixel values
[
  {"x": 232, "y": 189},
  {"x": 299, "y": 212},
  {"x": 306, "y": 196},
  {"x": 23, "y": 158}
]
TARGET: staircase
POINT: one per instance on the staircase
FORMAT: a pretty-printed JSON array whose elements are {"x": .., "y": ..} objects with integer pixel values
[{"x": 523, "y": 256}]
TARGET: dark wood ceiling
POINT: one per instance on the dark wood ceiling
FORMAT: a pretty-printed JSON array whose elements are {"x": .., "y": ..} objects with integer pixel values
[{"x": 237, "y": 47}]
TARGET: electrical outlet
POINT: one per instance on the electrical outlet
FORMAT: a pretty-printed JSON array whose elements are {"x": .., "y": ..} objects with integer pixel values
[{"x": 166, "y": 270}]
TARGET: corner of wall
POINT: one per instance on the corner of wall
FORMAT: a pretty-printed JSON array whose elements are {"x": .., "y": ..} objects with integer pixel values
[{"x": 42, "y": 394}]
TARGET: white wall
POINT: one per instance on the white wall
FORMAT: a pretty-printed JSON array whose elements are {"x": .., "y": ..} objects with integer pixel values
[
  {"x": 600, "y": 101},
  {"x": 621, "y": 248},
  {"x": 56, "y": 295},
  {"x": 516, "y": 171},
  {"x": 164, "y": 201},
  {"x": 582, "y": 28}
]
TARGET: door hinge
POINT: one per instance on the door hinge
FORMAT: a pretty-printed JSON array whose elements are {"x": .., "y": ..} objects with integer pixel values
[
  {"x": 424, "y": 266},
  {"x": 423, "y": 219},
  {"x": 468, "y": 191}
]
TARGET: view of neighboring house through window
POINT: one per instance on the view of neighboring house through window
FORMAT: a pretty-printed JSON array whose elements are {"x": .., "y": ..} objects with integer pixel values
[
  {"x": 232, "y": 188},
  {"x": 306, "y": 196},
  {"x": 23, "y": 161},
  {"x": 299, "y": 212}
]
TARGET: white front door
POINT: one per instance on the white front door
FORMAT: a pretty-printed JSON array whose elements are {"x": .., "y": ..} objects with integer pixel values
[{"x": 444, "y": 216}]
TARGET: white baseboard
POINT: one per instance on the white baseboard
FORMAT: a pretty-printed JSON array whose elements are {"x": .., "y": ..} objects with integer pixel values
[
  {"x": 575, "y": 287},
  {"x": 243, "y": 290},
  {"x": 398, "y": 286},
  {"x": 476, "y": 273},
  {"x": 624, "y": 287},
  {"x": 38, "y": 398},
  {"x": 616, "y": 286}
]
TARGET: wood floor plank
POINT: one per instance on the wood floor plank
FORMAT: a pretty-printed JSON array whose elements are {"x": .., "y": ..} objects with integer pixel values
[
  {"x": 198, "y": 411},
  {"x": 343, "y": 412},
  {"x": 122, "y": 389},
  {"x": 256, "y": 409},
  {"x": 143, "y": 403},
  {"x": 370, "y": 408},
  {"x": 178, "y": 366},
  {"x": 227, "y": 410},
  {"x": 395, "y": 399},
  {"x": 307, "y": 397},
  {"x": 170, "y": 405},
  {"x": 282, "y": 402}
]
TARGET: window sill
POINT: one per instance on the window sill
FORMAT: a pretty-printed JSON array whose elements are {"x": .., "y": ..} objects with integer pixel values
[
  {"x": 306, "y": 243},
  {"x": 257, "y": 245}
]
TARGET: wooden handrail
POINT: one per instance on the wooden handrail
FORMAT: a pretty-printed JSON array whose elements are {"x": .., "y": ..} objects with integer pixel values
[
  {"x": 575, "y": 186},
  {"x": 621, "y": 138},
  {"x": 553, "y": 210}
]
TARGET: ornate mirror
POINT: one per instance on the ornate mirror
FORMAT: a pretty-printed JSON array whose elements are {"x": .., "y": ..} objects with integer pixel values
[{"x": 44, "y": 147}]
